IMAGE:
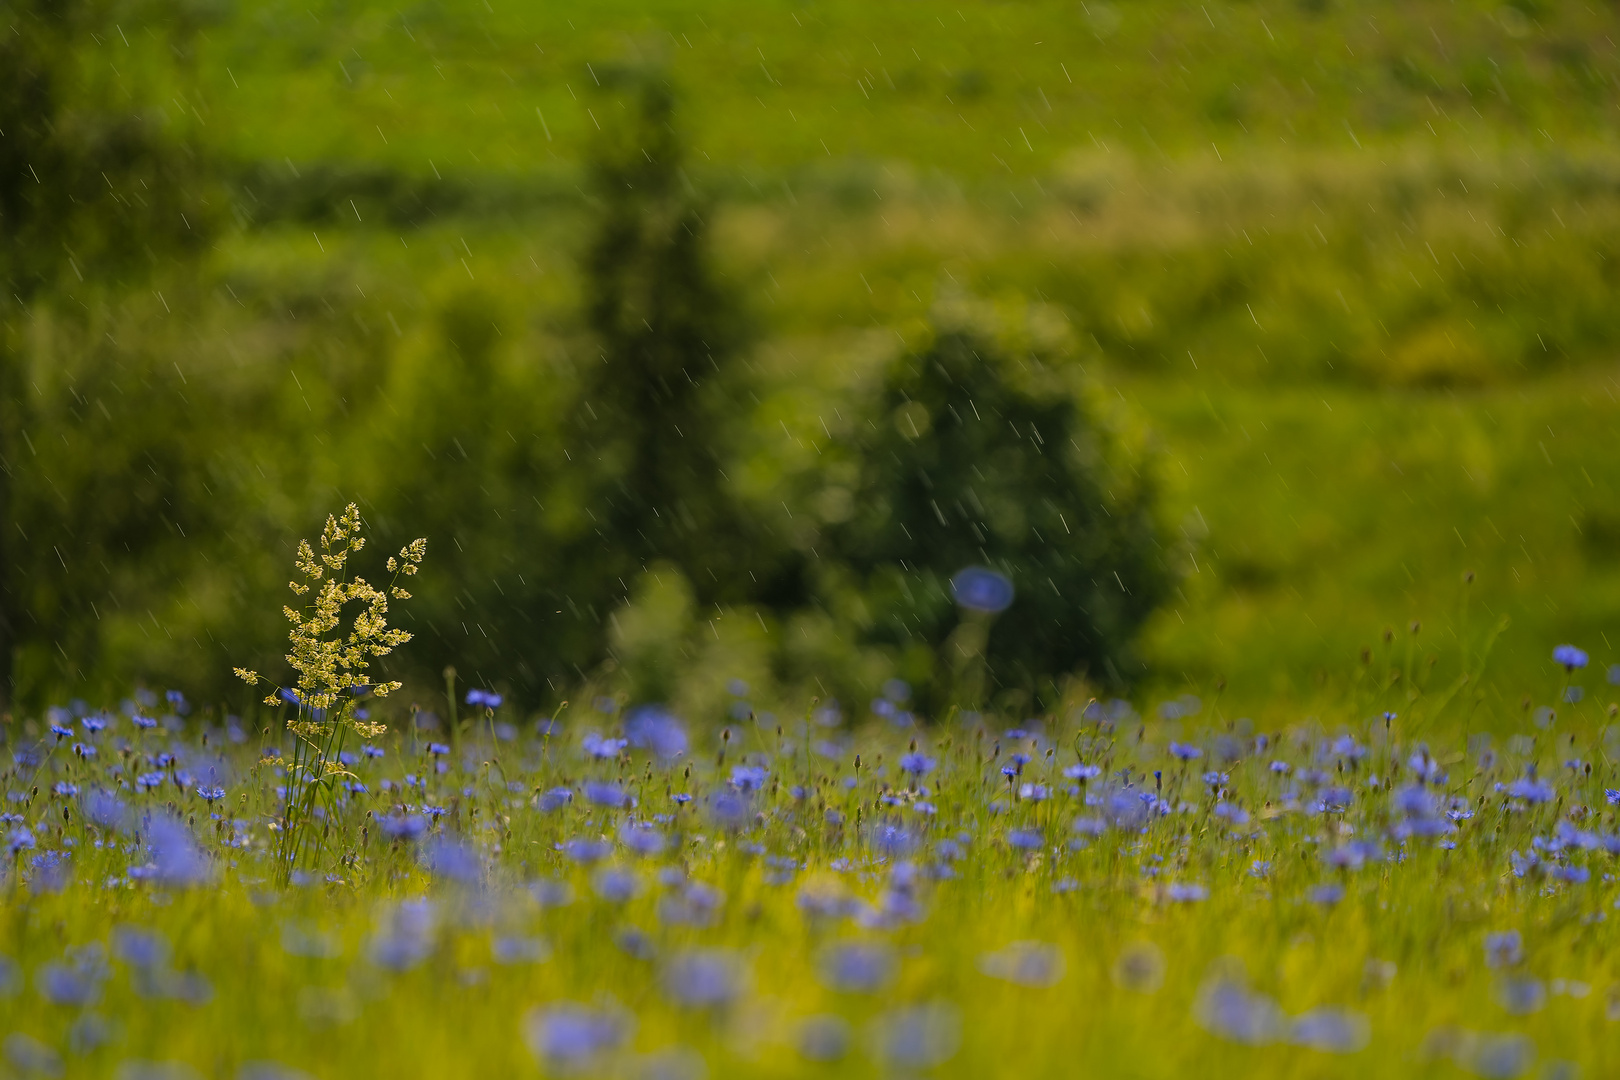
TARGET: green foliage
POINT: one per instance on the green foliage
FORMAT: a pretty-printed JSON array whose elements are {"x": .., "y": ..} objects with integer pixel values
[
  {"x": 980, "y": 454},
  {"x": 92, "y": 188},
  {"x": 647, "y": 435},
  {"x": 1354, "y": 264},
  {"x": 93, "y": 182}
]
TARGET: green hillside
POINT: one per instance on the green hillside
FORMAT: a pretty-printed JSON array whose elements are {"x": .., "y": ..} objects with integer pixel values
[{"x": 1350, "y": 268}]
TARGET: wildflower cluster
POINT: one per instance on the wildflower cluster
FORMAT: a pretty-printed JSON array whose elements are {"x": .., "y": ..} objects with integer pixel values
[
  {"x": 332, "y": 665},
  {"x": 329, "y": 661},
  {"x": 633, "y": 891}
]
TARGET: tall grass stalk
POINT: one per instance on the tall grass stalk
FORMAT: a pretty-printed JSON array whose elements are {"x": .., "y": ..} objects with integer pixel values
[{"x": 331, "y": 661}]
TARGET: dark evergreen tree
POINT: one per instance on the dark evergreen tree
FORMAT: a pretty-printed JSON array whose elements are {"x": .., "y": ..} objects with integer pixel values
[
  {"x": 663, "y": 393},
  {"x": 977, "y": 458},
  {"x": 94, "y": 191},
  {"x": 547, "y": 483}
]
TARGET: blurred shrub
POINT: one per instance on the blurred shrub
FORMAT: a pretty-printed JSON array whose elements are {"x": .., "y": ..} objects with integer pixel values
[{"x": 980, "y": 452}]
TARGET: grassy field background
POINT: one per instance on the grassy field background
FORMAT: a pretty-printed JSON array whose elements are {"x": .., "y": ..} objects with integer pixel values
[{"x": 1351, "y": 268}]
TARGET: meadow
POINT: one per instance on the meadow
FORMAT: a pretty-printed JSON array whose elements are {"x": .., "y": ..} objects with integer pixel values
[{"x": 614, "y": 893}]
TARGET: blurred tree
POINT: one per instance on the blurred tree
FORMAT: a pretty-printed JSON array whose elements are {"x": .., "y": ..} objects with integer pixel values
[
  {"x": 975, "y": 456},
  {"x": 664, "y": 394},
  {"x": 94, "y": 191},
  {"x": 549, "y": 476}
]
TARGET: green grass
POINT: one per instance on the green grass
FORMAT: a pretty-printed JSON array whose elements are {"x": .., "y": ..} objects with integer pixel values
[
  {"x": 978, "y": 90},
  {"x": 430, "y": 958}
]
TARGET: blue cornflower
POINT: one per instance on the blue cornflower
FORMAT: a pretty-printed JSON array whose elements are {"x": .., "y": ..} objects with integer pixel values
[
  {"x": 892, "y": 840},
  {"x": 1346, "y": 746},
  {"x": 587, "y": 851},
  {"x": 76, "y": 985},
  {"x": 606, "y": 794},
  {"x": 403, "y": 826},
  {"x": 104, "y": 810},
  {"x": 569, "y": 1037},
  {"x": 176, "y": 858},
  {"x": 642, "y": 839},
  {"x": 449, "y": 858},
  {"x": 210, "y": 794},
  {"x": 288, "y": 695},
  {"x": 147, "y": 781},
  {"x": 650, "y": 727},
  {"x": 615, "y": 884},
  {"x": 703, "y": 978},
  {"x": 144, "y": 949},
  {"x": 1326, "y": 894},
  {"x": 598, "y": 747},
  {"x": 518, "y": 950},
  {"x": 1025, "y": 839},
  {"x": 1504, "y": 949},
  {"x": 696, "y": 904},
  {"x": 50, "y": 872},
  {"x": 437, "y": 749},
  {"x": 1329, "y": 1029},
  {"x": 1521, "y": 995},
  {"x": 1570, "y": 657},
  {"x": 1531, "y": 790},
  {"x": 748, "y": 777},
  {"x": 145, "y": 723},
  {"x": 919, "y": 1037},
  {"x": 1187, "y": 894},
  {"x": 1082, "y": 772},
  {"x": 61, "y": 732},
  {"x": 94, "y": 723},
  {"x": 65, "y": 789},
  {"x": 917, "y": 764},
  {"x": 555, "y": 799},
  {"x": 1232, "y": 1011},
  {"x": 980, "y": 589},
  {"x": 489, "y": 699},
  {"x": 1352, "y": 856},
  {"x": 1185, "y": 752},
  {"x": 372, "y": 751},
  {"x": 857, "y": 967}
]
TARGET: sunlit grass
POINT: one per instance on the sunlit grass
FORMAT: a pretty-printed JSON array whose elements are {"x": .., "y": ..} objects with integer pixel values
[{"x": 1151, "y": 895}]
